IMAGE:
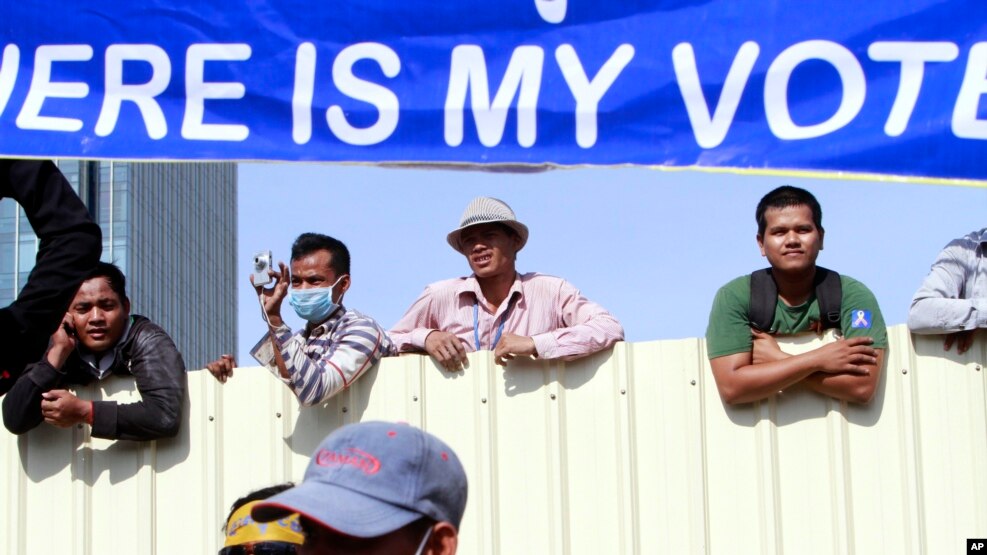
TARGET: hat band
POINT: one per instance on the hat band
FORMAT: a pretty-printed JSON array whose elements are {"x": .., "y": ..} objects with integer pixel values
[{"x": 479, "y": 218}]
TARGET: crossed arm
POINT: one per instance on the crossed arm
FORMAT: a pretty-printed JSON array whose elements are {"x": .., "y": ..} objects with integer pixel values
[{"x": 847, "y": 369}]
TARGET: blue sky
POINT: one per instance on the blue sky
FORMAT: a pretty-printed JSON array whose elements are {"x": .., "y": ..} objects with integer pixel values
[{"x": 652, "y": 246}]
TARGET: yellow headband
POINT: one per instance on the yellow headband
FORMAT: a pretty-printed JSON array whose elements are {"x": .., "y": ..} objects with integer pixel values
[{"x": 241, "y": 528}]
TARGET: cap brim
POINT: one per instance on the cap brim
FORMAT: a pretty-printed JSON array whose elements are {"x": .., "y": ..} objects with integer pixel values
[{"x": 341, "y": 509}]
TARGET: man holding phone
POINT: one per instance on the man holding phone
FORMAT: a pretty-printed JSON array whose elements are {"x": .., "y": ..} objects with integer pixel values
[
  {"x": 98, "y": 337},
  {"x": 336, "y": 346}
]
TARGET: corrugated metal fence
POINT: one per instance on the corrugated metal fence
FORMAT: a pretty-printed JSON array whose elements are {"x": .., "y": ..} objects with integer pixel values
[{"x": 629, "y": 451}]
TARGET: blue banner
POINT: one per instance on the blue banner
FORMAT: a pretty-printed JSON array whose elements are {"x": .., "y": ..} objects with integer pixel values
[{"x": 890, "y": 86}]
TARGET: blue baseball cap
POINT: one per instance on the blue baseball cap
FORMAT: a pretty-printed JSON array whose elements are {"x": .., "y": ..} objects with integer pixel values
[{"x": 372, "y": 478}]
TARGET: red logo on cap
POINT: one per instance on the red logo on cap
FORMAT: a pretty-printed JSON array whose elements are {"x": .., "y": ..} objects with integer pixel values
[{"x": 352, "y": 457}]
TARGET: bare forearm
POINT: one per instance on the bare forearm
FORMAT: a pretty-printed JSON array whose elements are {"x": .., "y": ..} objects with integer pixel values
[
  {"x": 746, "y": 377},
  {"x": 852, "y": 388},
  {"x": 848, "y": 386},
  {"x": 749, "y": 382},
  {"x": 757, "y": 382}
]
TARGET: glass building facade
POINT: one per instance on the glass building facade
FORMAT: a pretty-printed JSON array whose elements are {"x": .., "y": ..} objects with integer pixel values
[{"x": 171, "y": 228}]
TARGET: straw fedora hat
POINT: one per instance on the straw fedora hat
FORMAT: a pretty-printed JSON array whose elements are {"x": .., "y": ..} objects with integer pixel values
[{"x": 486, "y": 210}]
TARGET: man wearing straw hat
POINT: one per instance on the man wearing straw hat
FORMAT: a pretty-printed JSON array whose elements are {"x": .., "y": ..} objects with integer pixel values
[{"x": 496, "y": 308}]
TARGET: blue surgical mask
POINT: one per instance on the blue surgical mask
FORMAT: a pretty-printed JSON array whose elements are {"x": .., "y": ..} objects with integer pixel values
[{"x": 314, "y": 305}]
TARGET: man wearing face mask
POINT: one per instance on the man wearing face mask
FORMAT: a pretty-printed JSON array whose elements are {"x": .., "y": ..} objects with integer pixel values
[{"x": 336, "y": 346}]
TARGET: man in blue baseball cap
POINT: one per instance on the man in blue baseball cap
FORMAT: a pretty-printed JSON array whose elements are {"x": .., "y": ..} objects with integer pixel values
[{"x": 376, "y": 487}]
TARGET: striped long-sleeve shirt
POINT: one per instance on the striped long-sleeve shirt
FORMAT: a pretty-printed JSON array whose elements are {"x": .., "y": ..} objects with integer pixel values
[
  {"x": 326, "y": 359},
  {"x": 561, "y": 321}
]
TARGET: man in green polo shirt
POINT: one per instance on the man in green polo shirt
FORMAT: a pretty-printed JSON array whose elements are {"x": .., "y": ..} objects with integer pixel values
[{"x": 747, "y": 363}]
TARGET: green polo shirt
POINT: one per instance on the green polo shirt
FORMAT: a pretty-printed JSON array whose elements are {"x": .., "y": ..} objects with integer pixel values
[{"x": 729, "y": 329}]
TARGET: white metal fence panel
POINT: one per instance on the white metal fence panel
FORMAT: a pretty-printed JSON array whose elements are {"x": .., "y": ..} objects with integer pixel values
[{"x": 628, "y": 451}]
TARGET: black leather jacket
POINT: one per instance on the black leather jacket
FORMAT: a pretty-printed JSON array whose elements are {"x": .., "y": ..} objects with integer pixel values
[{"x": 147, "y": 353}]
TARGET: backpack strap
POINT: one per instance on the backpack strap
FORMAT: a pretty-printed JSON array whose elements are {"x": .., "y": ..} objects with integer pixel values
[
  {"x": 764, "y": 299},
  {"x": 829, "y": 292}
]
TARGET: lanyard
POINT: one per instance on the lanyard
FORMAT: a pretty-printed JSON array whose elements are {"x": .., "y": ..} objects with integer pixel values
[{"x": 476, "y": 324}]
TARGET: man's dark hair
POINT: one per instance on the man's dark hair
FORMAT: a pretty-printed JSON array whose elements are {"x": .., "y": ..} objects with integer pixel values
[
  {"x": 783, "y": 197},
  {"x": 307, "y": 243},
  {"x": 113, "y": 276},
  {"x": 262, "y": 493}
]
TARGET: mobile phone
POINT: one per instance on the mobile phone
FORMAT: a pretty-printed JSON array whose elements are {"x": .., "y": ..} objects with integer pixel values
[
  {"x": 262, "y": 264},
  {"x": 68, "y": 329}
]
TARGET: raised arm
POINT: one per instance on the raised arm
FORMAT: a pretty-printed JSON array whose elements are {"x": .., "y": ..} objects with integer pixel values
[
  {"x": 69, "y": 246},
  {"x": 356, "y": 347}
]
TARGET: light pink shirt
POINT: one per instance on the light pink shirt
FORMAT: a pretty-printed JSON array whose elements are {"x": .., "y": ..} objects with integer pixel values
[{"x": 563, "y": 323}]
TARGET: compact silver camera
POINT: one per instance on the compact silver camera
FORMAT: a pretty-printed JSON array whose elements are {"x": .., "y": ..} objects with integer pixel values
[{"x": 262, "y": 263}]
